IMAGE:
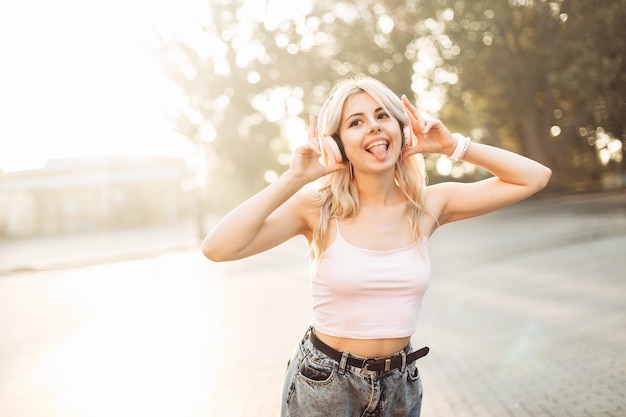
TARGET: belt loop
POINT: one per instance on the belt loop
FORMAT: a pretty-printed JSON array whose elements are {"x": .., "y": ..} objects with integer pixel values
[
  {"x": 403, "y": 354},
  {"x": 307, "y": 335},
  {"x": 343, "y": 362}
]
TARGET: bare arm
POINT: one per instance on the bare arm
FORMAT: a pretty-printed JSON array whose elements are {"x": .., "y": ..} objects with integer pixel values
[
  {"x": 515, "y": 177},
  {"x": 272, "y": 216},
  {"x": 262, "y": 222}
]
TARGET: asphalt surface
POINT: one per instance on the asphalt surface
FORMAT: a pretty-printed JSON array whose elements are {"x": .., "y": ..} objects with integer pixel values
[{"x": 526, "y": 316}]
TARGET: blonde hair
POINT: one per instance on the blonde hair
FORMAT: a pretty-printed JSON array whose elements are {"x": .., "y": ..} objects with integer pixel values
[{"x": 337, "y": 195}]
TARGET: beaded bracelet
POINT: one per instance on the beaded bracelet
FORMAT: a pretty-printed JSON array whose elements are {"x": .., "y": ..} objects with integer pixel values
[{"x": 462, "y": 143}]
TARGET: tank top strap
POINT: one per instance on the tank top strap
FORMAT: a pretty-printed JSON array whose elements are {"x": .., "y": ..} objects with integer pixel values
[{"x": 338, "y": 235}]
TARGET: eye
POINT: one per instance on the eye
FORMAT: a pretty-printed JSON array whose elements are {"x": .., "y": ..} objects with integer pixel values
[
  {"x": 383, "y": 115},
  {"x": 355, "y": 122}
]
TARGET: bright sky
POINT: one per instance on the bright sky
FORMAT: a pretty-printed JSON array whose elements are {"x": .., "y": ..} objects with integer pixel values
[{"x": 78, "y": 80}]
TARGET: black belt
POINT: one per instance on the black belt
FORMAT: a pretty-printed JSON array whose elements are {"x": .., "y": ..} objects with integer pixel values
[{"x": 369, "y": 364}]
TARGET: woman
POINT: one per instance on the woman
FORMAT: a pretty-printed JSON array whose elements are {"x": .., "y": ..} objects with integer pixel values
[{"x": 367, "y": 214}]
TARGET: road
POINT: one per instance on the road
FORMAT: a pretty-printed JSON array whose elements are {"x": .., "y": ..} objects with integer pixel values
[{"x": 525, "y": 317}]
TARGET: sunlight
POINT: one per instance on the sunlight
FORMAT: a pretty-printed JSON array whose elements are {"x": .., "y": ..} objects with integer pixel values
[
  {"x": 443, "y": 166},
  {"x": 274, "y": 12},
  {"x": 84, "y": 83},
  {"x": 148, "y": 355},
  {"x": 607, "y": 147}
]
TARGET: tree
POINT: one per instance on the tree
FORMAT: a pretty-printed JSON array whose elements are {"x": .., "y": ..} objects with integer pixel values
[
  {"x": 537, "y": 75},
  {"x": 513, "y": 73},
  {"x": 254, "y": 68}
]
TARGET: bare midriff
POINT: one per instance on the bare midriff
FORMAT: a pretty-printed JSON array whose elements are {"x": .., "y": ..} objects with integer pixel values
[{"x": 368, "y": 348}]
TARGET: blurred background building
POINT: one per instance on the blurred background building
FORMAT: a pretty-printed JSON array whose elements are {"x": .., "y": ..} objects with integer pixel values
[
  {"x": 206, "y": 101},
  {"x": 94, "y": 194}
]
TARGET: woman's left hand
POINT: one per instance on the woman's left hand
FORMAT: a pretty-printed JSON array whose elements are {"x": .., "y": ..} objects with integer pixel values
[{"x": 431, "y": 135}]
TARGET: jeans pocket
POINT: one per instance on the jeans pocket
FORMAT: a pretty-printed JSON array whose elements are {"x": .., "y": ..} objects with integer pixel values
[
  {"x": 316, "y": 373},
  {"x": 412, "y": 372}
]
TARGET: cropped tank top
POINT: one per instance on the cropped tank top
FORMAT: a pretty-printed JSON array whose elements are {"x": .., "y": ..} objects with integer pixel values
[{"x": 368, "y": 294}]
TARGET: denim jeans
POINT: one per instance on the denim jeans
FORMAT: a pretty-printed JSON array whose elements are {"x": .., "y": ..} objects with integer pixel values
[{"x": 316, "y": 385}]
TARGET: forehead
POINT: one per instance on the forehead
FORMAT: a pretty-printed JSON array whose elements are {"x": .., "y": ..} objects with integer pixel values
[{"x": 359, "y": 103}]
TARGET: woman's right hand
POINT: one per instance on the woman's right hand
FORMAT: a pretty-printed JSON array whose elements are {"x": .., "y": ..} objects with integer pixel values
[{"x": 306, "y": 164}]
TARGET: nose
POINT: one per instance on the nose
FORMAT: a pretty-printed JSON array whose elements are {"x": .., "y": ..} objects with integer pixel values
[{"x": 375, "y": 126}]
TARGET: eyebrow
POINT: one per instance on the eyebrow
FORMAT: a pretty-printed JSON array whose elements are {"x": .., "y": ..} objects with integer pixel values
[{"x": 361, "y": 114}]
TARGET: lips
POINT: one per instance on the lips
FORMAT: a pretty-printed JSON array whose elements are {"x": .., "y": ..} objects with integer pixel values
[{"x": 377, "y": 143}]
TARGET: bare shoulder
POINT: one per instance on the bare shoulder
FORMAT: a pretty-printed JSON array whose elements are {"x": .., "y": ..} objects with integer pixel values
[
  {"x": 436, "y": 196},
  {"x": 436, "y": 199}
]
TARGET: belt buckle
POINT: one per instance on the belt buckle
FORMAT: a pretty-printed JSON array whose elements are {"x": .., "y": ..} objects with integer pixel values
[{"x": 367, "y": 361}]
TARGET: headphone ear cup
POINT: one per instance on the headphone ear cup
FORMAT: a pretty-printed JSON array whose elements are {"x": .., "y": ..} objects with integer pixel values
[
  {"x": 331, "y": 149},
  {"x": 409, "y": 139}
]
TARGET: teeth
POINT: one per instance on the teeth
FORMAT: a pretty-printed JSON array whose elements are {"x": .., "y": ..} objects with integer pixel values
[{"x": 377, "y": 143}]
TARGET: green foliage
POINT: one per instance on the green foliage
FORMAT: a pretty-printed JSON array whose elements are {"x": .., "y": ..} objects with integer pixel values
[
  {"x": 510, "y": 72},
  {"x": 527, "y": 68}
]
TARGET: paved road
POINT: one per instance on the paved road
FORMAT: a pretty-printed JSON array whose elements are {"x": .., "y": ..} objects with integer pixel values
[{"x": 525, "y": 317}]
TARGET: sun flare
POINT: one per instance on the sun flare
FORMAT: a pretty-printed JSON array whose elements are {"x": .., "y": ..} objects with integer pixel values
[{"x": 78, "y": 79}]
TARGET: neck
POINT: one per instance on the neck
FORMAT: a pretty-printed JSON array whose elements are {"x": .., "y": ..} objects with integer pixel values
[{"x": 377, "y": 190}]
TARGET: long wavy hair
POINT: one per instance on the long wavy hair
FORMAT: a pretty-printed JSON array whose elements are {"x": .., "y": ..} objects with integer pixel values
[{"x": 337, "y": 194}]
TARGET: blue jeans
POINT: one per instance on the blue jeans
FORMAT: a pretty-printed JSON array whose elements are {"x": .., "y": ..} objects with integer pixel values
[{"x": 316, "y": 385}]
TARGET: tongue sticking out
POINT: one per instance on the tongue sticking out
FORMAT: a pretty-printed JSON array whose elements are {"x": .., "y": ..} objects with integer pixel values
[{"x": 380, "y": 152}]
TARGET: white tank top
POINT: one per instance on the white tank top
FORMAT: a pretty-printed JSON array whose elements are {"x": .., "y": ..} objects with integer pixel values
[{"x": 368, "y": 294}]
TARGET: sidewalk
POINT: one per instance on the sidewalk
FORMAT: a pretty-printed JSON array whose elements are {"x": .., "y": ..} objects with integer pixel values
[
  {"x": 531, "y": 322},
  {"x": 66, "y": 251},
  {"x": 63, "y": 251},
  {"x": 525, "y": 317}
]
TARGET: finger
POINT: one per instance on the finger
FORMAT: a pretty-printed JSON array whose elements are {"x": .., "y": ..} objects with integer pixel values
[
  {"x": 416, "y": 121},
  {"x": 434, "y": 125},
  {"x": 427, "y": 126},
  {"x": 308, "y": 150},
  {"x": 410, "y": 108},
  {"x": 336, "y": 167},
  {"x": 410, "y": 151},
  {"x": 313, "y": 139},
  {"x": 314, "y": 146}
]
